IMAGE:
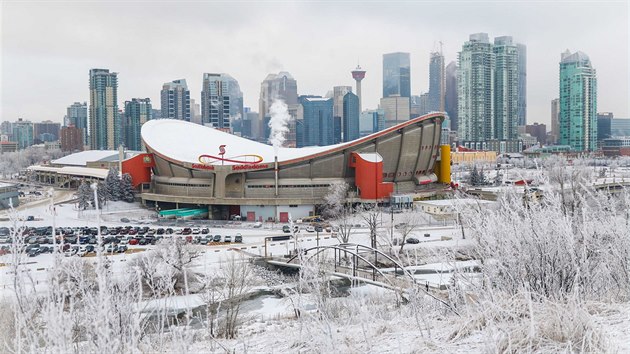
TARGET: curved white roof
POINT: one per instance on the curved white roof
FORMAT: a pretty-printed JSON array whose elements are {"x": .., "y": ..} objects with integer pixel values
[{"x": 185, "y": 141}]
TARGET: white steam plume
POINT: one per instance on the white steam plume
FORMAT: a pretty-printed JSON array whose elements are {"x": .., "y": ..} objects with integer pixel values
[{"x": 279, "y": 123}]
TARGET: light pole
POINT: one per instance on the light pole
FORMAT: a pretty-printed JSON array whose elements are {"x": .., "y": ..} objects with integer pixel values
[
  {"x": 51, "y": 193},
  {"x": 99, "y": 237}
]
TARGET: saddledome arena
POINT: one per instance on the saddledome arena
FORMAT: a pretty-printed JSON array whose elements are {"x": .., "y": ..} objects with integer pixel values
[{"x": 201, "y": 167}]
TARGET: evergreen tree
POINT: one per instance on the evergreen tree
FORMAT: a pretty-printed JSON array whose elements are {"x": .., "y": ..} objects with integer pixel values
[
  {"x": 126, "y": 188},
  {"x": 474, "y": 177},
  {"x": 112, "y": 182},
  {"x": 85, "y": 195},
  {"x": 482, "y": 178},
  {"x": 101, "y": 190}
]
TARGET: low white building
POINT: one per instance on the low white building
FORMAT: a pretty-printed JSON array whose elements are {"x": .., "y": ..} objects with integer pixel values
[{"x": 448, "y": 208}]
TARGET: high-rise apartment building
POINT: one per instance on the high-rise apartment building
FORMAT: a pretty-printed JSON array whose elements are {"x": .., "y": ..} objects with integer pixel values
[
  {"x": 539, "y": 131},
  {"x": 522, "y": 83},
  {"x": 316, "y": 128},
  {"x": 77, "y": 115},
  {"x": 46, "y": 131},
  {"x": 506, "y": 89},
  {"x": 578, "y": 102},
  {"x": 437, "y": 82},
  {"x": 175, "y": 100},
  {"x": 281, "y": 86},
  {"x": 350, "y": 117},
  {"x": 104, "y": 122},
  {"x": 22, "y": 133},
  {"x": 475, "y": 89},
  {"x": 488, "y": 89},
  {"x": 396, "y": 75},
  {"x": 137, "y": 112},
  {"x": 604, "y": 125},
  {"x": 71, "y": 139},
  {"x": 371, "y": 121},
  {"x": 450, "y": 97},
  {"x": 221, "y": 100}
]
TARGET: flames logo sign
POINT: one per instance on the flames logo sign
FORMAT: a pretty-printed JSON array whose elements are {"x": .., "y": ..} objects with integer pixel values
[{"x": 249, "y": 159}]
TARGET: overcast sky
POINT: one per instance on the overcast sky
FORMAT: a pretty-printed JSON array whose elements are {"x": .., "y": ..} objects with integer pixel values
[{"x": 49, "y": 47}]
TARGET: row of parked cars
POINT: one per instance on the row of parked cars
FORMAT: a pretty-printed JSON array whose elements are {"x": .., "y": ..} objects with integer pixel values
[{"x": 209, "y": 239}]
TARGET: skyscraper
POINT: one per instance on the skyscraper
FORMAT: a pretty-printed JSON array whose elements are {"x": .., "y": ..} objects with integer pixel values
[
  {"x": 281, "y": 86},
  {"x": 578, "y": 102},
  {"x": 317, "y": 125},
  {"x": 475, "y": 89},
  {"x": 437, "y": 82},
  {"x": 137, "y": 112},
  {"x": 555, "y": 120},
  {"x": 396, "y": 75},
  {"x": 22, "y": 133},
  {"x": 522, "y": 84},
  {"x": 46, "y": 131},
  {"x": 506, "y": 89},
  {"x": 350, "y": 117},
  {"x": 221, "y": 100},
  {"x": 450, "y": 97},
  {"x": 104, "y": 120},
  {"x": 396, "y": 110},
  {"x": 358, "y": 74},
  {"x": 604, "y": 125},
  {"x": 77, "y": 116},
  {"x": 339, "y": 92},
  {"x": 175, "y": 100},
  {"x": 71, "y": 139}
]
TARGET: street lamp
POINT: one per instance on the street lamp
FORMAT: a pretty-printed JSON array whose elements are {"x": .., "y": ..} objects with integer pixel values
[{"x": 99, "y": 237}]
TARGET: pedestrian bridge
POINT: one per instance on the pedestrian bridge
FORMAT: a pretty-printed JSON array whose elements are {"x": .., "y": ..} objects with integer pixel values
[{"x": 360, "y": 264}]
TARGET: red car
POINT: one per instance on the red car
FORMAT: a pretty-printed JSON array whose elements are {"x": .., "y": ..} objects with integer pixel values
[{"x": 133, "y": 241}]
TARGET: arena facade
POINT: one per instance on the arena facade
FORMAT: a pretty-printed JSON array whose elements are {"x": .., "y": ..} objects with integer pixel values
[{"x": 197, "y": 166}]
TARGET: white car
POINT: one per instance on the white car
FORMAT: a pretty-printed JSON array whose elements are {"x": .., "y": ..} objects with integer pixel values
[
  {"x": 310, "y": 229},
  {"x": 257, "y": 225},
  {"x": 196, "y": 231}
]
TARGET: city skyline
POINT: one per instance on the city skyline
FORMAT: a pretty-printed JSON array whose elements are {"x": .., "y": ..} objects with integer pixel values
[{"x": 260, "y": 45}]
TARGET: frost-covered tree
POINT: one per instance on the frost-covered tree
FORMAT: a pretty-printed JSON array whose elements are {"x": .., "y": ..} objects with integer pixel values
[
  {"x": 113, "y": 183},
  {"x": 336, "y": 208},
  {"x": 101, "y": 191},
  {"x": 126, "y": 188},
  {"x": 85, "y": 196}
]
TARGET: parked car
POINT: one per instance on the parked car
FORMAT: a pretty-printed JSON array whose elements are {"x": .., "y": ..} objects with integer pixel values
[
  {"x": 257, "y": 225},
  {"x": 238, "y": 238},
  {"x": 319, "y": 229},
  {"x": 121, "y": 249},
  {"x": 310, "y": 229},
  {"x": 205, "y": 231},
  {"x": 427, "y": 235},
  {"x": 133, "y": 241},
  {"x": 227, "y": 238},
  {"x": 196, "y": 231},
  {"x": 217, "y": 238},
  {"x": 412, "y": 240},
  {"x": 286, "y": 229}
]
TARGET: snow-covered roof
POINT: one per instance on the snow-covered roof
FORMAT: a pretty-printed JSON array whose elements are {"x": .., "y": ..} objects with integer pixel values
[
  {"x": 72, "y": 171},
  {"x": 454, "y": 202},
  {"x": 186, "y": 142},
  {"x": 83, "y": 157}
]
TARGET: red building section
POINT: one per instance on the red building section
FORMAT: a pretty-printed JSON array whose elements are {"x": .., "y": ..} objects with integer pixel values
[
  {"x": 368, "y": 172},
  {"x": 139, "y": 167}
]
